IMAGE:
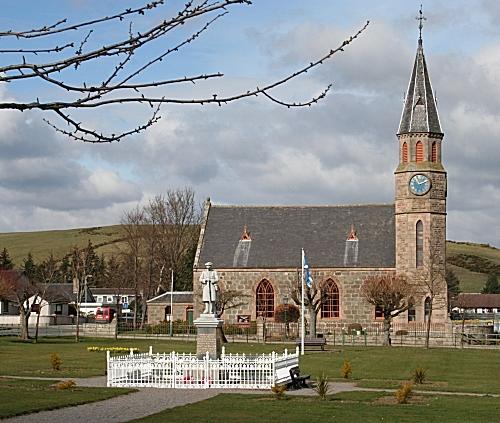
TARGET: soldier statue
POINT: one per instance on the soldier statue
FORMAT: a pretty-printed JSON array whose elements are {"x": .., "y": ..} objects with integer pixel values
[{"x": 209, "y": 280}]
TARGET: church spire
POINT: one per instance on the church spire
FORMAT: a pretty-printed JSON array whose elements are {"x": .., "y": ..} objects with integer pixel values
[{"x": 420, "y": 111}]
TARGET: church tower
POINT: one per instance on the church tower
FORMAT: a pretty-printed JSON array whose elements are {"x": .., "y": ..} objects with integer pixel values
[{"x": 420, "y": 177}]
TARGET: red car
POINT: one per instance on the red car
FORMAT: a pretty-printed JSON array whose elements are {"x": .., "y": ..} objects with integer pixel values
[{"x": 104, "y": 314}]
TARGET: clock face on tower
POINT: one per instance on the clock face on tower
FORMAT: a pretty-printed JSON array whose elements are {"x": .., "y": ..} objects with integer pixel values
[{"x": 420, "y": 184}]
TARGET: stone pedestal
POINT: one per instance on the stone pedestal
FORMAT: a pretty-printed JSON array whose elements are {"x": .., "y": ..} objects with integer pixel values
[{"x": 208, "y": 336}]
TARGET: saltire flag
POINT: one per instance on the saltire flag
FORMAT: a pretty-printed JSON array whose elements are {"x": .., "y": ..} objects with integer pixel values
[{"x": 307, "y": 272}]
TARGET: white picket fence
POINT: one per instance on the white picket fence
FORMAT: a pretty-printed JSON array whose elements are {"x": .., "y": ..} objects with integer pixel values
[{"x": 174, "y": 370}]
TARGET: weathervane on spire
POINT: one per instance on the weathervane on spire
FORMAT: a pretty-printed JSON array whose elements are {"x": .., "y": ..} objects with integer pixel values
[{"x": 420, "y": 18}]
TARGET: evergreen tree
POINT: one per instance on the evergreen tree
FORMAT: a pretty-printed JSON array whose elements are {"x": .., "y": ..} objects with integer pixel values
[
  {"x": 492, "y": 286},
  {"x": 453, "y": 285},
  {"x": 64, "y": 274},
  {"x": 30, "y": 269},
  {"x": 5, "y": 260}
]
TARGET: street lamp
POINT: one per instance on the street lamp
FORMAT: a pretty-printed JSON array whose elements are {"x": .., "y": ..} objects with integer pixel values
[{"x": 285, "y": 302}]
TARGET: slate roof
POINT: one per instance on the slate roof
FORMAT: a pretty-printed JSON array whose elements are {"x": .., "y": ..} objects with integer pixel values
[
  {"x": 178, "y": 297},
  {"x": 58, "y": 292},
  {"x": 278, "y": 233},
  {"x": 420, "y": 111},
  {"x": 112, "y": 291},
  {"x": 477, "y": 301}
]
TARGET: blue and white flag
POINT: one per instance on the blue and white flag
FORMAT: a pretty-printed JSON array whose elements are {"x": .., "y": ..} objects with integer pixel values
[{"x": 307, "y": 272}]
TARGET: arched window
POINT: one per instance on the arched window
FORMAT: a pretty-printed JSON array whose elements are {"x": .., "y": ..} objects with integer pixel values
[
  {"x": 434, "y": 152},
  {"x": 405, "y": 153},
  {"x": 427, "y": 308},
  {"x": 330, "y": 304},
  {"x": 168, "y": 312},
  {"x": 264, "y": 299},
  {"x": 419, "y": 235},
  {"x": 412, "y": 314},
  {"x": 419, "y": 152}
]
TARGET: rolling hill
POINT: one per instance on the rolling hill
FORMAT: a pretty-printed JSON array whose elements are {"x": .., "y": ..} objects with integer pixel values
[{"x": 470, "y": 262}]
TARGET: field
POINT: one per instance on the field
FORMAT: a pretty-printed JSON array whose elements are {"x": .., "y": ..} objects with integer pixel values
[
  {"x": 452, "y": 370},
  {"x": 59, "y": 243},
  {"x": 107, "y": 241}
]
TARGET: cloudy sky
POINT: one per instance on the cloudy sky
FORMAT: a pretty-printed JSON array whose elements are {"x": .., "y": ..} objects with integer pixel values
[{"x": 341, "y": 151}]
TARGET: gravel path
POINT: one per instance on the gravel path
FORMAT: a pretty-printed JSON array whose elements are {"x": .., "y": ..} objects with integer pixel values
[{"x": 121, "y": 409}]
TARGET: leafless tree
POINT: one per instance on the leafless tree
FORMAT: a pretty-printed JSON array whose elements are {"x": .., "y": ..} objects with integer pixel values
[
  {"x": 118, "y": 279},
  {"x": 133, "y": 223},
  {"x": 430, "y": 282},
  {"x": 79, "y": 270},
  {"x": 312, "y": 301},
  {"x": 392, "y": 294},
  {"x": 17, "y": 288},
  {"x": 47, "y": 274},
  {"x": 175, "y": 220},
  {"x": 58, "y": 54},
  {"x": 228, "y": 299}
]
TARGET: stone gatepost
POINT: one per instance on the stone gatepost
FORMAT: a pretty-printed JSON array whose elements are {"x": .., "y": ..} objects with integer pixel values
[{"x": 208, "y": 337}]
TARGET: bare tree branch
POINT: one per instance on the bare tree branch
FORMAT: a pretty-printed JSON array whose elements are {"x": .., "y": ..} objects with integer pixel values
[{"x": 116, "y": 86}]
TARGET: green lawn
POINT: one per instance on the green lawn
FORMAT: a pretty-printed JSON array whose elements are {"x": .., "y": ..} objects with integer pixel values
[
  {"x": 468, "y": 370},
  {"x": 19, "y": 358},
  {"x": 28, "y": 396},
  {"x": 345, "y": 407}
]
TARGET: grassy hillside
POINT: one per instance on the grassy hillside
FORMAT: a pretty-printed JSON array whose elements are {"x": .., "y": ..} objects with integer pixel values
[
  {"x": 470, "y": 256},
  {"x": 59, "y": 243},
  {"x": 469, "y": 261}
]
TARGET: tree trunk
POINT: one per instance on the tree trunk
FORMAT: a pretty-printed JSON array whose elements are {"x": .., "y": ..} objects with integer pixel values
[
  {"x": 37, "y": 324},
  {"x": 143, "y": 311},
  {"x": 136, "y": 305},
  {"x": 312, "y": 322},
  {"x": 463, "y": 329},
  {"x": 387, "y": 330},
  {"x": 118, "y": 313},
  {"x": 428, "y": 326},
  {"x": 77, "y": 337},
  {"x": 23, "y": 322}
]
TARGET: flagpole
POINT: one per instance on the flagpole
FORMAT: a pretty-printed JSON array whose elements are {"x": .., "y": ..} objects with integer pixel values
[{"x": 302, "y": 319}]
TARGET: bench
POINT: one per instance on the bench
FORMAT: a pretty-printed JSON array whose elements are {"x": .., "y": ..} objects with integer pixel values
[
  {"x": 312, "y": 342},
  {"x": 298, "y": 381}
]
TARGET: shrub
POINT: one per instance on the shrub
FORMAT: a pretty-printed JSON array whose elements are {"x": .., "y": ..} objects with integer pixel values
[
  {"x": 65, "y": 384},
  {"x": 286, "y": 313},
  {"x": 279, "y": 391},
  {"x": 55, "y": 361},
  {"x": 112, "y": 349},
  {"x": 419, "y": 375},
  {"x": 404, "y": 392},
  {"x": 321, "y": 387},
  {"x": 346, "y": 369}
]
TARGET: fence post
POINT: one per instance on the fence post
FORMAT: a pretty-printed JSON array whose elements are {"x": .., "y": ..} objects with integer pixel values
[
  {"x": 108, "y": 372},
  {"x": 207, "y": 370},
  {"x": 273, "y": 361},
  {"x": 150, "y": 350}
]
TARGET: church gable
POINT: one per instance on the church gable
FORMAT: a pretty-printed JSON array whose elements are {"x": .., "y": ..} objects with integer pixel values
[{"x": 279, "y": 233}]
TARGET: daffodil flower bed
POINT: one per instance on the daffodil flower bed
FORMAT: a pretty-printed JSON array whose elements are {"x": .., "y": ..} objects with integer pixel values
[{"x": 112, "y": 349}]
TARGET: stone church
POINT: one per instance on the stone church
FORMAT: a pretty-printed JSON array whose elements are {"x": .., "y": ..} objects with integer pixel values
[{"x": 257, "y": 249}]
